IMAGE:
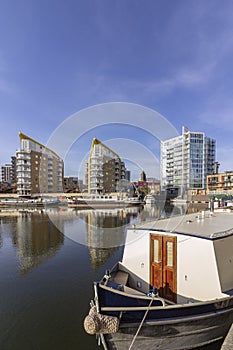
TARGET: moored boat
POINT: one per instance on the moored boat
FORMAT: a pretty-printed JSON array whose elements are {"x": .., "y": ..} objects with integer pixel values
[
  {"x": 103, "y": 201},
  {"x": 28, "y": 202},
  {"x": 189, "y": 259},
  {"x": 227, "y": 209}
]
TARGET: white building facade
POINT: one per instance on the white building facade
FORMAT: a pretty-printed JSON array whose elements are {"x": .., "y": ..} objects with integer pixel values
[
  {"x": 105, "y": 170},
  {"x": 186, "y": 161}
]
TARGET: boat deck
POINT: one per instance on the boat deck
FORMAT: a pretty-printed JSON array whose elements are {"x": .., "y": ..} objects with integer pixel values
[
  {"x": 228, "y": 342},
  {"x": 207, "y": 224},
  {"x": 121, "y": 278}
]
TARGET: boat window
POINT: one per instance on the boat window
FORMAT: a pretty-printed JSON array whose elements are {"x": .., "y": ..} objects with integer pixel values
[
  {"x": 156, "y": 251},
  {"x": 169, "y": 254}
]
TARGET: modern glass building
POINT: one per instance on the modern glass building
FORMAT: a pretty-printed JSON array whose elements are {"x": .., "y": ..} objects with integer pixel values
[
  {"x": 186, "y": 161},
  {"x": 38, "y": 168},
  {"x": 105, "y": 169}
]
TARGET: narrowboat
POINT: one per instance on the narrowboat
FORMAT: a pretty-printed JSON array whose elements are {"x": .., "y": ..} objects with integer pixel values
[{"x": 173, "y": 288}]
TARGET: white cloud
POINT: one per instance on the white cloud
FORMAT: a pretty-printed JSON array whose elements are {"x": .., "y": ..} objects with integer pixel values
[{"x": 187, "y": 77}]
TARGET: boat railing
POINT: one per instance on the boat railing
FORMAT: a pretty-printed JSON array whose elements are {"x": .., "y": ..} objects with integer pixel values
[{"x": 222, "y": 233}]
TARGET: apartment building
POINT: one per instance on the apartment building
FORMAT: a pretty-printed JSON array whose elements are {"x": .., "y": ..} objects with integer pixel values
[
  {"x": 186, "y": 161},
  {"x": 38, "y": 168},
  {"x": 6, "y": 172},
  {"x": 105, "y": 169},
  {"x": 220, "y": 183}
]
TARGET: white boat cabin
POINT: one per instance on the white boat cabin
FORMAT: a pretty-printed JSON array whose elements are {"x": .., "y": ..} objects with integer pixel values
[{"x": 186, "y": 257}]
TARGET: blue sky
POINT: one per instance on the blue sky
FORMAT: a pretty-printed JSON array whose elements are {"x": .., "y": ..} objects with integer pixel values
[{"x": 59, "y": 57}]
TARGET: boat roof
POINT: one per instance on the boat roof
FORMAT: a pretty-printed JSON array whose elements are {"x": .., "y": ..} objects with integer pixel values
[{"x": 205, "y": 224}]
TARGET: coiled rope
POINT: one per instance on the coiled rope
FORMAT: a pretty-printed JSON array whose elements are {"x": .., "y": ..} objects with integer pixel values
[{"x": 96, "y": 323}]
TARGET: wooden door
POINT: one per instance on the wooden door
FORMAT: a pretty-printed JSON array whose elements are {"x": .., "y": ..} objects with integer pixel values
[
  {"x": 163, "y": 252},
  {"x": 156, "y": 262}
]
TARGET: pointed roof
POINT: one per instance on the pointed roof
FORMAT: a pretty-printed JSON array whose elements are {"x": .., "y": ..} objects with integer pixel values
[
  {"x": 25, "y": 137},
  {"x": 95, "y": 141}
]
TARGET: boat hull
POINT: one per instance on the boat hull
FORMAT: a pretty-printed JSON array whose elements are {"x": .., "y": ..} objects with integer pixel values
[
  {"x": 176, "y": 327},
  {"x": 189, "y": 333},
  {"x": 82, "y": 204},
  {"x": 25, "y": 204}
]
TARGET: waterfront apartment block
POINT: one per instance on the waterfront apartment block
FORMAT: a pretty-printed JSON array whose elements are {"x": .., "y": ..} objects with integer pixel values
[
  {"x": 105, "y": 170},
  {"x": 220, "y": 183},
  {"x": 8, "y": 172},
  {"x": 39, "y": 169},
  {"x": 186, "y": 161}
]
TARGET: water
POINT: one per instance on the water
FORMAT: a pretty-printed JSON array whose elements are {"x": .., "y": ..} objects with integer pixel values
[{"x": 48, "y": 261}]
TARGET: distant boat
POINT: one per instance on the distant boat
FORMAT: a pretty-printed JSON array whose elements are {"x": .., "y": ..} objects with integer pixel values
[
  {"x": 28, "y": 202},
  {"x": 221, "y": 206},
  {"x": 227, "y": 209},
  {"x": 189, "y": 259},
  {"x": 103, "y": 201}
]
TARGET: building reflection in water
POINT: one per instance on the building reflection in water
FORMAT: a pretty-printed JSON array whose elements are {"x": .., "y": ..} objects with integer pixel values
[
  {"x": 101, "y": 230},
  {"x": 34, "y": 236},
  {"x": 106, "y": 229},
  {"x": 106, "y": 232},
  {"x": 39, "y": 234}
]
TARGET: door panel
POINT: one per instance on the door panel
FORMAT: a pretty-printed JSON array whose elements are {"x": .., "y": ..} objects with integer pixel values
[
  {"x": 164, "y": 265},
  {"x": 169, "y": 267},
  {"x": 156, "y": 262}
]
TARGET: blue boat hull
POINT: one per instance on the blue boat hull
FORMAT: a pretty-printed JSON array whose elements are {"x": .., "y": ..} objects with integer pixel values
[{"x": 175, "y": 327}]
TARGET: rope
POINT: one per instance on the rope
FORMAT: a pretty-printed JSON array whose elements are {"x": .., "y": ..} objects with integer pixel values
[
  {"x": 103, "y": 341},
  {"x": 140, "y": 326},
  {"x": 95, "y": 323}
]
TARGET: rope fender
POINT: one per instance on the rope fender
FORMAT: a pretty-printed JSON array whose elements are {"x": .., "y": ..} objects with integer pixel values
[{"x": 96, "y": 323}]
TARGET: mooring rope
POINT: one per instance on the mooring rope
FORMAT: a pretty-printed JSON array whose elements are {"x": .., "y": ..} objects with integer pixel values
[{"x": 140, "y": 326}]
